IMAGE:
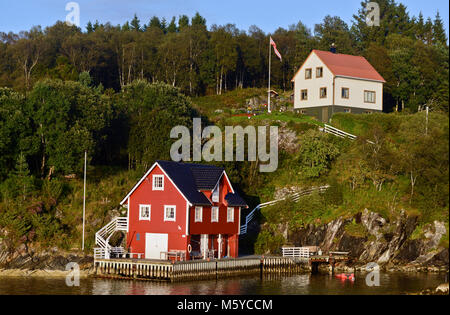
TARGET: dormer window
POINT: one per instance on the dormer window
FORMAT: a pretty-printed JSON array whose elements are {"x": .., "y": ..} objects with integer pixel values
[
  {"x": 215, "y": 194},
  {"x": 158, "y": 182}
]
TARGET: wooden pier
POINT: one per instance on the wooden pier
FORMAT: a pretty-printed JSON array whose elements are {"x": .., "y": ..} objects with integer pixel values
[{"x": 142, "y": 269}]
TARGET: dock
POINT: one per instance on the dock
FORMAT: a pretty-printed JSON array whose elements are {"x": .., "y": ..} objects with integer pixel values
[{"x": 156, "y": 270}]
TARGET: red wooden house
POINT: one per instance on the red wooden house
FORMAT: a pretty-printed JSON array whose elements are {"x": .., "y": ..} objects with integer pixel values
[{"x": 183, "y": 208}]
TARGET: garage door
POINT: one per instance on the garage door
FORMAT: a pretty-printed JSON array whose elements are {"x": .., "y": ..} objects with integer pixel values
[{"x": 155, "y": 244}]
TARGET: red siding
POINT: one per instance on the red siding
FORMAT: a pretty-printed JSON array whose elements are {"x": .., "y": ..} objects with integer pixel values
[
  {"x": 178, "y": 235},
  {"x": 221, "y": 227},
  {"x": 144, "y": 194}
]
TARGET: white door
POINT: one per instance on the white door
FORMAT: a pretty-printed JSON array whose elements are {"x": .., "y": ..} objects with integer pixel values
[{"x": 155, "y": 244}]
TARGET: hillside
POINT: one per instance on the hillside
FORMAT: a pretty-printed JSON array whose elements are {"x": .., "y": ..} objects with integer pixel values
[{"x": 400, "y": 177}]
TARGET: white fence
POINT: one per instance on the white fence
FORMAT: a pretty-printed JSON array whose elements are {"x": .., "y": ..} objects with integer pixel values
[
  {"x": 295, "y": 197},
  {"x": 302, "y": 252},
  {"x": 338, "y": 133}
]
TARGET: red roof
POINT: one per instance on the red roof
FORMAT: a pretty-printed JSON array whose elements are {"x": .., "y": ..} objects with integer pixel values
[{"x": 349, "y": 66}]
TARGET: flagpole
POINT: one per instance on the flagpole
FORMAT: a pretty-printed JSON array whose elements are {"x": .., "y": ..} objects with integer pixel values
[
  {"x": 84, "y": 197},
  {"x": 270, "y": 64}
]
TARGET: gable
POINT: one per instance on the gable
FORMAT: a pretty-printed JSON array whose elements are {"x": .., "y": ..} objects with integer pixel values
[
  {"x": 342, "y": 65},
  {"x": 154, "y": 170}
]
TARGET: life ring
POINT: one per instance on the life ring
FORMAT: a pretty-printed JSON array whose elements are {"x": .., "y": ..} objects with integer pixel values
[{"x": 189, "y": 248}]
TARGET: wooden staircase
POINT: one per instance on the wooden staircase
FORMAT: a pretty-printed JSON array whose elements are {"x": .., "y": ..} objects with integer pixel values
[
  {"x": 295, "y": 197},
  {"x": 104, "y": 249}
]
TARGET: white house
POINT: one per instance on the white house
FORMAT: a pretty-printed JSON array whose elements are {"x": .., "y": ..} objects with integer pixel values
[{"x": 328, "y": 83}]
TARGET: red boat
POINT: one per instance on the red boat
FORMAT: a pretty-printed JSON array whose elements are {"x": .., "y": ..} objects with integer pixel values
[{"x": 343, "y": 276}]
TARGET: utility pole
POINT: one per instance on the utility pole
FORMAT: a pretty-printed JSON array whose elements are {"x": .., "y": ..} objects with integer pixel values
[
  {"x": 268, "y": 92},
  {"x": 84, "y": 197}
]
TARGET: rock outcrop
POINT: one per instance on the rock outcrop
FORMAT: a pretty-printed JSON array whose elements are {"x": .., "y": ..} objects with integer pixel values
[{"x": 385, "y": 243}]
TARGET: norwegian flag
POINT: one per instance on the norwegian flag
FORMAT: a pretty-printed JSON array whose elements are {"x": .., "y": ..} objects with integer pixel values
[{"x": 275, "y": 48}]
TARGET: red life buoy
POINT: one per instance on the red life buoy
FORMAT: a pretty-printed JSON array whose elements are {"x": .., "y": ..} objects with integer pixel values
[{"x": 189, "y": 248}]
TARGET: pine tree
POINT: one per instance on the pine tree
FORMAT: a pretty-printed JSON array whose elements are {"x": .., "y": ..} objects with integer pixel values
[
  {"x": 198, "y": 20},
  {"x": 183, "y": 22},
  {"x": 22, "y": 175},
  {"x": 439, "y": 35},
  {"x": 172, "y": 28},
  {"x": 155, "y": 22},
  {"x": 135, "y": 24},
  {"x": 89, "y": 27}
]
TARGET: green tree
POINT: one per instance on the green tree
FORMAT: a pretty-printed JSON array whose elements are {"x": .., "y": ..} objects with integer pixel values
[{"x": 316, "y": 154}]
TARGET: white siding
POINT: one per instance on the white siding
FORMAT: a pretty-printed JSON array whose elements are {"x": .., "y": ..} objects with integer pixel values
[
  {"x": 356, "y": 88},
  {"x": 313, "y": 85}
]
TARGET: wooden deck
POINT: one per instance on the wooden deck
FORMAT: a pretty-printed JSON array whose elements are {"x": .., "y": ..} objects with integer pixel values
[{"x": 143, "y": 269}]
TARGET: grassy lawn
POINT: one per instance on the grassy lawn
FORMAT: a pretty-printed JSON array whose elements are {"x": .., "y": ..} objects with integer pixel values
[{"x": 284, "y": 117}]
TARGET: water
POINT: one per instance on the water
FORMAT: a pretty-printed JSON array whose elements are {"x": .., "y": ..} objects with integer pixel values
[{"x": 390, "y": 283}]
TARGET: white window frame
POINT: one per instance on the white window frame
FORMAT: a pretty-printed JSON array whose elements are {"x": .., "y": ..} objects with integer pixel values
[
  {"x": 230, "y": 218},
  {"x": 214, "y": 218},
  {"x": 348, "y": 93},
  {"x": 153, "y": 182},
  {"x": 198, "y": 215},
  {"x": 370, "y": 97},
  {"x": 141, "y": 218},
  {"x": 166, "y": 219}
]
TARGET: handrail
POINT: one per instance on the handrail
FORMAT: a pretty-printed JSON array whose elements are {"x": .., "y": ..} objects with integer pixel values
[
  {"x": 337, "y": 132},
  {"x": 104, "y": 234},
  {"x": 295, "y": 197}
]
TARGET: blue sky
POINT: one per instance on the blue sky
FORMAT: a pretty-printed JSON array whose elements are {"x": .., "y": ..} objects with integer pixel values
[{"x": 20, "y": 15}]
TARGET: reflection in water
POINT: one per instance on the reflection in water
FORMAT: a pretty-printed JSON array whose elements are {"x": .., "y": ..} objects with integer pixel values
[{"x": 391, "y": 283}]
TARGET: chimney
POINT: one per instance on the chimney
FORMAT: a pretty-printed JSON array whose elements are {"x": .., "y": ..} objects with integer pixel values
[{"x": 333, "y": 48}]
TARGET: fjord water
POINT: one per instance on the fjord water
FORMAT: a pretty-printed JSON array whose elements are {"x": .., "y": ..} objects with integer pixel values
[{"x": 390, "y": 283}]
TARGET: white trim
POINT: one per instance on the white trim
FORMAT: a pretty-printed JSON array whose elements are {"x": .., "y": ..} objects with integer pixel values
[
  {"x": 228, "y": 214},
  {"x": 149, "y": 213},
  {"x": 239, "y": 222},
  {"x": 228, "y": 180},
  {"x": 201, "y": 214},
  {"x": 187, "y": 218},
  {"x": 174, "y": 214},
  {"x": 153, "y": 182},
  {"x": 212, "y": 217},
  {"x": 145, "y": 176},
  {"x": 128, "y": 215},
  {"x": 362, "y": 79}
]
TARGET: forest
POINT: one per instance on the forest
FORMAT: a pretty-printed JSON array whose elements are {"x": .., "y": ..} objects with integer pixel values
[
  {"x": 116, "y": 92},
  {"x": 410, "y": 52}
]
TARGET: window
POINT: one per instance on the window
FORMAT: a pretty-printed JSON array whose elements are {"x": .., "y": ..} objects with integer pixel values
[
  {"x": 347, "y": 110},
  {"x": 215, "y": 194},
  {"x": 369, "y": 97},
  {"x": 308, "y": 73},
  {"x": 230, "y": 215},
  {"x": 319, "y": 72},
  {"x": 169, "y": 213},
  {"x": 345, "y": 93},
  {"x": 368, "y": 112},
  {"x": 304, "y": 95},
  {"x": 198, "y": 214},
  {"x": 215, "y": 214},
  {"x": 323, "y": 92},
  {"x": 144, "y": 212},
  {"x": 158, "y": 182},
  {"x": 138, "y": 236}
]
